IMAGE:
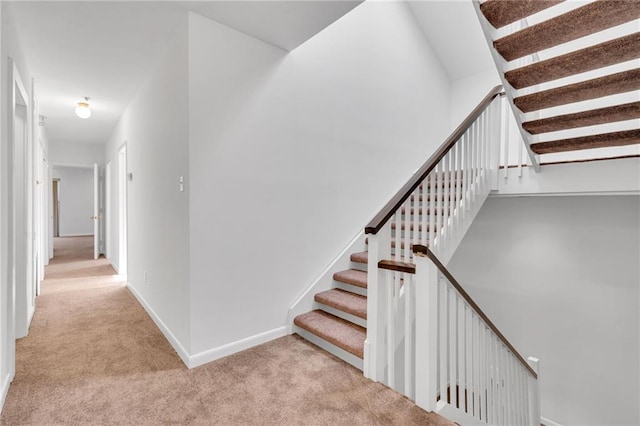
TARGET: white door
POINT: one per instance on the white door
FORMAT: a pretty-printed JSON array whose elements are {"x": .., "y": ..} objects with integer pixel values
[{"x": 96, "y": 211}]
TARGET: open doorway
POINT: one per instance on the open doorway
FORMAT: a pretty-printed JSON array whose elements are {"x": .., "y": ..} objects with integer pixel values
[
  {"x": 55, "y": 207},
  {"x": 122, "y": 210}
]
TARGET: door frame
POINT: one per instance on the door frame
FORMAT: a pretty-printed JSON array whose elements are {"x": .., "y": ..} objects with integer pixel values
[
  {"x": 122, "y": 210},
  {"x": 107, "y": 210},
  {"x": 20, "y": 310}
]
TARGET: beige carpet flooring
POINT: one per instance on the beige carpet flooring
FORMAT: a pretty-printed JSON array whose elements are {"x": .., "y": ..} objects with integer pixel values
[{"x": 93, "y": 356}]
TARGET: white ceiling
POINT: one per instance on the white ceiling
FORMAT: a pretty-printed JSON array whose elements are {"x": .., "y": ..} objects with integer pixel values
[{"x": 105, "y": 49}]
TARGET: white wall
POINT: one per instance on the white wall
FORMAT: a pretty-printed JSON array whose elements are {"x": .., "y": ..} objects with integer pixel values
[
  {"x": 10, "y": 48},
  {"x": 4, "y": 299},
  {"x": 75, "y": 193},
  {"x": 467, "y": 92},
  {"x": 560, "y": 277},
  {"x": 76, "y": 153},
  {"x": 291, "y": 155},
  {"x": 155, "y": 129}
]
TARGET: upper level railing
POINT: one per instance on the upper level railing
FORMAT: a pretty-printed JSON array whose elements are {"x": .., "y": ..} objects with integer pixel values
[
  {"x": 405, "y": 192},
  {"x": 425, "y": 336}
]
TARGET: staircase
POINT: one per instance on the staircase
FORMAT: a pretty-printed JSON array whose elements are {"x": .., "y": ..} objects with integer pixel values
[
  {"x": 570, "y": 70},
  {"x": 339, "y": 323}
]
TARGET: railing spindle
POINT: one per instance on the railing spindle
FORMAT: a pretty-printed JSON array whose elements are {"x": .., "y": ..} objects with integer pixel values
[
  {"x": 458, "y": 178},
  {"x": 453, "y": 360},
  {"x": 442, "y": 335},
  {"x": 424, "y": 214},
  {"x": 409, "y": 303}
]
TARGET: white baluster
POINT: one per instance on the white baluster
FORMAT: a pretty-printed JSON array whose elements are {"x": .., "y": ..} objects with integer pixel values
[
  {"x": 469, "y": 359},
  {"x": 501, "y": 384},
  {"x": 425, "y": 212},
  {"x": 442, "y": 338},
  {"x": 438, "y": 207},
  {"x": 520, "y": 150},
  {"x": 476, "y": 366},
  {"x": 410, "y": 224},
  {"x": 465, "y": 176},
  {"x": 409, "y": 306},
  {"x": 445, "y": 201},
  {"x": 398, "y": 240},
  {"x": 458, "y": 179},
  {"x": 462, "y": 363},
  {"x": 391, "y": 332},
  {"x": 483, "y": 369},
  {"x": 453, "y": 336},
  {"x": 506, "y": 138},
  {"x": 432, "y": 208},
  {"x": 513, "y": 390}
]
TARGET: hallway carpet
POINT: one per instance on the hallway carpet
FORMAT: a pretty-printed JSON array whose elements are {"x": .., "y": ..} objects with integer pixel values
[{"x": 93, "y": 356}]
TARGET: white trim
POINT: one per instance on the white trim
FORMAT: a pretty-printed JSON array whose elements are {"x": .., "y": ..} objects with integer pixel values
[
  {"x": 5, "y": 390},
  {"x": 114, "y": 266},
  {"x": 74, "y": 235},
  {"x": 192, "y": 361},
  {"x": 237, "y": 346},
  {"x": 547, "y": 422},
  {"x": 173, "y": 340}
]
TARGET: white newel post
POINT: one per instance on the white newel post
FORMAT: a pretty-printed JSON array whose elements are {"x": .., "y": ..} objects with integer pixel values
[
  {"x": 426, "y": 289},
  {"x": 379, "y": 247},
  {"x": 534, "y": 393}
]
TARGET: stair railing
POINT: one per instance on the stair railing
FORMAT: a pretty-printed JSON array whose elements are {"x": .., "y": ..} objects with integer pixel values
[
  {"x": 409, "y": 335},
  {"x": 470, "y": 371}
]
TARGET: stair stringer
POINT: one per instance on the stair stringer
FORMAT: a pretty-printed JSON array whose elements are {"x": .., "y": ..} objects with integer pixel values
[
  {"x": 509, "y": 90},
  {"x": 305, "y": 302}
]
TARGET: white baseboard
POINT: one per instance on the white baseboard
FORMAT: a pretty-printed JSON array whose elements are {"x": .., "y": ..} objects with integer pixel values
[
  {"x": 6, "y": 382},
  {"x": 114, "y": 266},
  {"x": 173, "y": 340},
  {"x": 547, "y": 422},
  {"x": 192, "y": 361},
  {"x": 237, "y": 346},
  {"x": 76, "y": 235}
]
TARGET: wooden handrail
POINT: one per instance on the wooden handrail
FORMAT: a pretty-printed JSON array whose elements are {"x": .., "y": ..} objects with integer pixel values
[
  {"x": 420, "y": 250},
  {"x": 394, "y": 204}
]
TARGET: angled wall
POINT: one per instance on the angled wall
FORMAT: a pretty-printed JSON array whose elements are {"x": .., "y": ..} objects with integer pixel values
[
  {"x": 154, "y": 127},
  {"x": 292, "y": 154},
  {"x": 560, "y": 277}
]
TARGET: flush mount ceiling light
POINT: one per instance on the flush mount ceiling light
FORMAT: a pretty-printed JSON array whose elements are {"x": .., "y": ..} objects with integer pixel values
[{"x": 83, "y": 110}]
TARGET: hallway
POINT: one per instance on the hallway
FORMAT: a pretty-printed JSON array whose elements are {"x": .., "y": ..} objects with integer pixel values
[{"x": 93, "y": 356}]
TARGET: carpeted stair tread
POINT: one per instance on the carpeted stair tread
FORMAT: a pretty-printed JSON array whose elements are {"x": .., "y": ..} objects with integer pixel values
[
  {"x": 627, "y": 137},
  {"x": 504, "y": 12},
  {"x": 613, "y": 84},
  {"x": 360, "y": 257},
  {"x": 342, "y": 333},
  {"x": 352, "y": 276},
  {"x": 344, "y": 301},
  {"x": 601, "y": 55},
  {"x": 588, "y": 19},
  {"x": 593, "y": 117},
  {"x": 412, "y": 211}
]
